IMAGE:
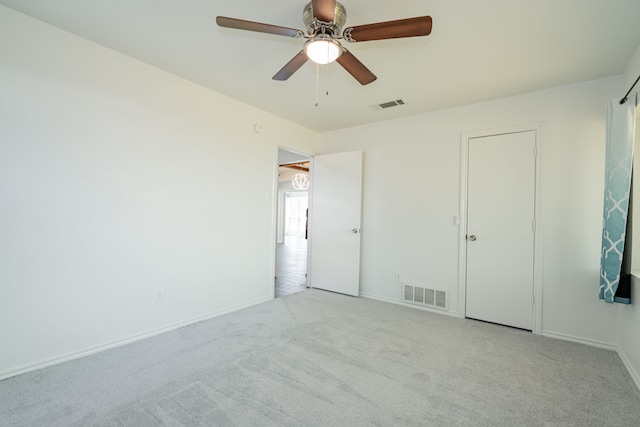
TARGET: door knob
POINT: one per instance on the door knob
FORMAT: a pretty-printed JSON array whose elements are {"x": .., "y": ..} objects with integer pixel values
[
  {"x": 472, "y": 237},
  {"x": 355, "y": 231}
]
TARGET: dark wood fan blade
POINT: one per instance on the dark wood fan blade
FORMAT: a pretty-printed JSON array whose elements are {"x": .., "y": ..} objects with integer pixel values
[
  {"x": 324, "y": 10},
  {"x": 411, "y": 27},
  {"x": 291, "y": 67},
  {"x": 356, "y": 68},
  {"x": 259, "y": 27}
]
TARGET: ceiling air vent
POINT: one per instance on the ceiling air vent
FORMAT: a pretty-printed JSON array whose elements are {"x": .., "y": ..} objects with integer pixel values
[{"x": 386, "y": 105}]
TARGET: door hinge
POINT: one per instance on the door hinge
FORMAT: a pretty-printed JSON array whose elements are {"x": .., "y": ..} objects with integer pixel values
[
  {"x": 533, "y": 226},
  {"x": 533, "y": 300},
  {"x": 535, "y": 151}
]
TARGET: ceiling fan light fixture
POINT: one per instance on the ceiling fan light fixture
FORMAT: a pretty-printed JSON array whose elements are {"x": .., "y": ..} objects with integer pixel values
[{"x": 322, "y": 49}]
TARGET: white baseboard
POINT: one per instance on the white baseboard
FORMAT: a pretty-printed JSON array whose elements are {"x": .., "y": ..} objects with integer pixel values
[
  {"x": 627, "y": 364},
  {"x": 549, "y": 334},
  {"x": 417, "y": 307},
  {"x": 592, "y": 343},
  {"x": 124, "y": 341}
]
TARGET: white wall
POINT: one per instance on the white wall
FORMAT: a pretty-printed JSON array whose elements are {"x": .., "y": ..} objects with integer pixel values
[
  {"x": 629, "y": 326},
  {"x": 412, "y": 192},
  {"x": 116, "y": 180}
]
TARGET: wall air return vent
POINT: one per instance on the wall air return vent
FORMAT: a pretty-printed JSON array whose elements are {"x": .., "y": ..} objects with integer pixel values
[
  {"x": 423, "y": 296},
  {"x": 386, "y": 105}
]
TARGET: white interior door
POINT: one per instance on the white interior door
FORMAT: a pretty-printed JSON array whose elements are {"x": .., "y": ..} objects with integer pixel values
[
  {"x": 500, "y": 229},
  {"x": 336, "y": 189}
]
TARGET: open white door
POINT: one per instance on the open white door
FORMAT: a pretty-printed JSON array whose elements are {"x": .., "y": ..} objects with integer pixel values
[{"x": 336, "y": 191}]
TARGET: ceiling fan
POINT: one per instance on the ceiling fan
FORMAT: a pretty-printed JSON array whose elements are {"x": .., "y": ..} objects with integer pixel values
[{"x": 324, "y": 20}]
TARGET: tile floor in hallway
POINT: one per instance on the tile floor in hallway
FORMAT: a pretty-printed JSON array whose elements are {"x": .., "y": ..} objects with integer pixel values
[{"x": 291, "y": 266}]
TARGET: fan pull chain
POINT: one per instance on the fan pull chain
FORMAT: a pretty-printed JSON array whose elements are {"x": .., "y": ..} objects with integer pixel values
[
  {"x": 317, "y": 84},
  {"x": 326, "y": 76},
  {"x": 326, "y": 71}
]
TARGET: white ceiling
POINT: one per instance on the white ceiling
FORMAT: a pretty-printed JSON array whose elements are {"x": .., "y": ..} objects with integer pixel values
[{"x": 478, "y": 50}]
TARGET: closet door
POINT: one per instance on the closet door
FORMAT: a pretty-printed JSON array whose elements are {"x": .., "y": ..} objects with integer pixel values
[{"x": 500, "y": 229}]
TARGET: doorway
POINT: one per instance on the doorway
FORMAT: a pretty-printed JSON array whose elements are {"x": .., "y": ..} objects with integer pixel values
[
  {"x": 498, "y": 239},
  {"x": 291, "y": 254},
  {"x": 334, "y": 220},
  {"x": 292, "y": 223}
]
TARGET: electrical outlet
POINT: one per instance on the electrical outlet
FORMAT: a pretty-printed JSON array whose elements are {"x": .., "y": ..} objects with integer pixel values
[
  {"x": 396, "y": 277},
  {"x": 161, "y": 295}
]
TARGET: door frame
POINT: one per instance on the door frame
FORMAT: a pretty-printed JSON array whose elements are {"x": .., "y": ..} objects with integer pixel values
[{"x": 462, "y": 242}]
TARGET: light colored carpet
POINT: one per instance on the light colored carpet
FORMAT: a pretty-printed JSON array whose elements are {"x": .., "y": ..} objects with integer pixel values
[{"x": 322, "y": 359}]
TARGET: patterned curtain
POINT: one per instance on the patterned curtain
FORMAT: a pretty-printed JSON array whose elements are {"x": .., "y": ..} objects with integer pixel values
[{"x": 621, "y": 124}]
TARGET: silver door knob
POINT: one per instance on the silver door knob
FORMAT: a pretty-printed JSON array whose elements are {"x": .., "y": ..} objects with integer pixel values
[{"x": 472, "y": 237}]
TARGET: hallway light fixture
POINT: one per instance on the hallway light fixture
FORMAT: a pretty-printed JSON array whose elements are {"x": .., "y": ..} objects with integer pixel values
[{"x": 300, "y": 181}]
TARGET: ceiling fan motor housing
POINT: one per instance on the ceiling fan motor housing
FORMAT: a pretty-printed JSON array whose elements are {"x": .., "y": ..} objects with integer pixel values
[{"x": 315, "y": 26}]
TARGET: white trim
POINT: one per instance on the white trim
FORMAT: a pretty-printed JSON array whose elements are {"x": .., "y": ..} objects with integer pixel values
[
  {"x": 537, "y": 235},
  {"x": 128, "y": 340},
  {"x": 310, "y": 218},
  {"x": 400, "y": 303},
  {"x": 275, "y": 205},
  {"x": 627, "y": 364},
  {"x": 462, "y": 253},
  {"x": 578, "y": 340}
]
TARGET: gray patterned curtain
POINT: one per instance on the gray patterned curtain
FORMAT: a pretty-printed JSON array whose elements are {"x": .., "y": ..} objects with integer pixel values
[{"x": 621, "y": 124}]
